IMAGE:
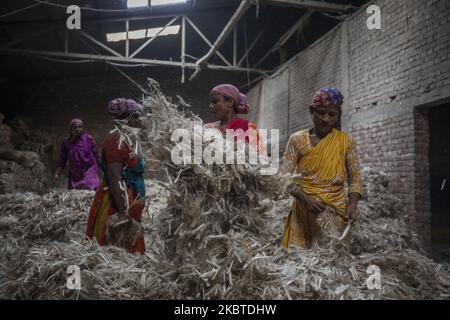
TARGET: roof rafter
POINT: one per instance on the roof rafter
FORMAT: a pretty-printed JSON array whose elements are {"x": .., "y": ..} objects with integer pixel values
[
  {"x": 312, "y": 5},
  {"x": 286, "y": 36},
  {"x": 241, "y": 10}
]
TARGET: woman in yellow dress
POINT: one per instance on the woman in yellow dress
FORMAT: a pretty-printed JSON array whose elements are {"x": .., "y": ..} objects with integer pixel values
[{"x": 322, "y": 159}]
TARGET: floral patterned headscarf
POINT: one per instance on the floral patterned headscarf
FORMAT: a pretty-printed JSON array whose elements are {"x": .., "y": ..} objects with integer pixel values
[{"x": 328, "y": 96}]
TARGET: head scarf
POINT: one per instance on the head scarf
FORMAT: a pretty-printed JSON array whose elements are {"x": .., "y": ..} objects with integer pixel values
[
  {"x": 75, "y": 121},
  {"x": 122, "y": 108},
  {"x": 328, "y": 96},
  {"x": 230, "y": 91}
]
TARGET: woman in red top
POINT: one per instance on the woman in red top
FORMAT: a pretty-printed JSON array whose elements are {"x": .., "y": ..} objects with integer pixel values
[
  {"x": 226, "y": 103},
  {"x": 116, "y": 213}
]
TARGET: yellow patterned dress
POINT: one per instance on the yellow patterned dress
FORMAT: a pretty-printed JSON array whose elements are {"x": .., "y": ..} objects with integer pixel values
[{"x": 324, "y": 169}]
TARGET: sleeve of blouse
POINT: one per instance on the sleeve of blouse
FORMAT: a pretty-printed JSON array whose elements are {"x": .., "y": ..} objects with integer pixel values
[
  {"x": 111, "y": 149},
  {"x": 94, "y": 149},
  {"x": 354, "y": 178},
  {"x": 291, "y": 156},
  {"x": 62, "y": 156}
]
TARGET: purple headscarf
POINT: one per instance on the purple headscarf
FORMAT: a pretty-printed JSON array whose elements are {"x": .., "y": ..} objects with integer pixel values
[
  {"x": 122, "y": 108},
  {"x": 75, "y": 121},
  {"x": 230, "y": 91},
  {"x": 328, "y": 96}
]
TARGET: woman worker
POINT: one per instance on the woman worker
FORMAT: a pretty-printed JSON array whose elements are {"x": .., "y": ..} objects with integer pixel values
[
  {"x": 116, "y": 212},
  {"x": 80, "y": 152},
  {"x": 226, "y": 102},
  {"x": 324, "y": 158}
]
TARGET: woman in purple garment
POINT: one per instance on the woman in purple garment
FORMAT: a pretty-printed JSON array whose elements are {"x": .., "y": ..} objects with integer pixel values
[{"x": 80, "y": 151}]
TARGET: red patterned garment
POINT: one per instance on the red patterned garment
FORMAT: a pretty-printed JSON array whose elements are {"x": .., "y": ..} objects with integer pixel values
[{"x": 115, "y": 150}]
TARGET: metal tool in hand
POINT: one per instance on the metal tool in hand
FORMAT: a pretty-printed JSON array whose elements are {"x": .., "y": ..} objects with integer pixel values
[
  {"x": 346, "y": 231},
  {"x": 297, "y": 176}
]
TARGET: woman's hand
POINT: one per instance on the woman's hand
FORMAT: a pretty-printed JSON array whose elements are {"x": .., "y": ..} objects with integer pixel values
[
  {"x": 350, "y": 211},
  {"x": 117, "y": 191},
  {"x": 350, "y": 214},
  {"x": 56, "y": 176},
  {"x": 312, "y": 205}
]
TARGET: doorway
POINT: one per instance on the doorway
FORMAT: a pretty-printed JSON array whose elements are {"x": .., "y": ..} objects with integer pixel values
[{"x": 439, "y": 156}]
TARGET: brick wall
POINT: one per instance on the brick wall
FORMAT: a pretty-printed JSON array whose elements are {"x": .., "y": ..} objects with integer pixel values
[
  {"x": 282, "y": 100},
  {"x": 421, "y": 177},
  {"x": 390, "y": 77}
]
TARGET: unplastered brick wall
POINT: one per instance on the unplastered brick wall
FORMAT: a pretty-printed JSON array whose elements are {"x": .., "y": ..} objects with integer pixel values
[
  {"x": 407, "y": 58},
  {"x": 395, "y": 74},
  {"x": 389, "y": 77},
  {"x": 282, "y": 100}
]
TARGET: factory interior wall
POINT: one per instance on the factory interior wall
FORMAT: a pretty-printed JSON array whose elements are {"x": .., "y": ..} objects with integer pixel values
[
  {"x": 385, "y": 76},
  {"x": 50, "y": 105}
]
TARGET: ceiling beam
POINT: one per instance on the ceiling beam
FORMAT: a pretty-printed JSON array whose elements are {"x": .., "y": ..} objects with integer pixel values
[
  {"x": 121, "y": 17},
  {"x": 98, "y": 57},
  {"x": 196, "y": 29},
  {"x": 297, "y": 26},
  {"x": 241, "y": 10},
  {"x": 286, "y": 36},
  {"x": 99, "y": 43},
  {"x": 254, "y": 42},
  {"x": 312, "y": 5},
  {"x": 146, "y": 43}
]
